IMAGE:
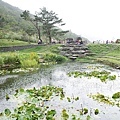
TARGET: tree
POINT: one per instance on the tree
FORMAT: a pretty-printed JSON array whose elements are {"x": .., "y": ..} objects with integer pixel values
[
  {"x": 26, "y": 16},
  {"x": 2, "y": 22},
  {"x": 49, "y": 21}
]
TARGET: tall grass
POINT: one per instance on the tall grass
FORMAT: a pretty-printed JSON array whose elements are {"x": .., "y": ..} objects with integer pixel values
[
  {"x": 51, "y": 57},
  {"x": 19, "y": 60}
]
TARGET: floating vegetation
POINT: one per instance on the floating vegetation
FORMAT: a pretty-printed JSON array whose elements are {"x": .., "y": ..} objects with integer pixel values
[
  {"x": 32, "y": 105},
  {"x": 3, "y": 72},
  {"x": 114, "y": 100},
  {"x": 96, "y": 111},
  {"x": 65, "y": 115},
  {"x": 85, "y": 110},
  {"x": 116, "y": 95},
  {"x": 18, "y": 71},
  {"x": 7, "y": 97},
  {"x": 72, "y": 99},
  {"x": 102, "y": 75}
]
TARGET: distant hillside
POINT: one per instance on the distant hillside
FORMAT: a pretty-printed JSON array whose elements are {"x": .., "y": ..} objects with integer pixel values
[
  {"x": 11, "y": 17},
  {"x": 12, "y": 26}
]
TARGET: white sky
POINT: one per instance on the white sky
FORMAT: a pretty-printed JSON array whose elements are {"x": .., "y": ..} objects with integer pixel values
[{"x": 93, "y": 19}]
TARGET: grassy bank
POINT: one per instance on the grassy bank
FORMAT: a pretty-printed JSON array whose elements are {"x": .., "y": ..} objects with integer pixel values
[
  {"x": 11, "y": 42},
  {"x": 31, "y": 58},
  {"x": 49, "y": 54},
  {"x": 106, "y": 53}
]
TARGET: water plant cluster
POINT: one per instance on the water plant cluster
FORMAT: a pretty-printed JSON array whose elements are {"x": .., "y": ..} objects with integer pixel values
[
  {"x": 102, "y": 75},
  {"x": 15, "y": 62},
  {"x": 112, "y": 100},
  {"x": 34, "y": 104},
  {"x": 55, "y": 58}
]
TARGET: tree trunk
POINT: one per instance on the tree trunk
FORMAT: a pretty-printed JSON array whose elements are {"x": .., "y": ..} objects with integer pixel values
[
  {"x": 50, "y": 39},
  {"x": 39, "y": 35}
]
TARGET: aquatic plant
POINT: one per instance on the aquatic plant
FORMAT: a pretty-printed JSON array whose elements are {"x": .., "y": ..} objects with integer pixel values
[
  {"x": 107, "y": 100},
  {"x": 50, "y": 57},
  {"x": 102, "y": 75},
  {"x": 85, "y": 111},
  {"x": 32, "y": 105},
  {"x": 116, "y": 95},
  {"x": 65, "y": 115},
  {"x": 96, "y": 111}
]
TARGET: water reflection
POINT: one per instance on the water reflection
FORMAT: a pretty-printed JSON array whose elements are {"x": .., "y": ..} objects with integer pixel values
[{"x": 73, "y": 87}]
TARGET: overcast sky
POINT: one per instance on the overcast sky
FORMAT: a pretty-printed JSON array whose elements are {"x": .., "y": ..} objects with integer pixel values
[{"x": 93, "y": 19}]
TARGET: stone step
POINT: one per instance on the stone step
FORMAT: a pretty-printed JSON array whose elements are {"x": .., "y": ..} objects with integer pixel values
[{"x": 72, "y": 58}]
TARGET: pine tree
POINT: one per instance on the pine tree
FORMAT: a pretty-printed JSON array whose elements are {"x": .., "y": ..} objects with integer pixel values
[
  {"x": 26, "y": 16},
  {"x": 49, "y": 21}
]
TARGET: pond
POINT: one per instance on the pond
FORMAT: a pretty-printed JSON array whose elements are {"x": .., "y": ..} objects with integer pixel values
[{"x": 73, "y": 87}]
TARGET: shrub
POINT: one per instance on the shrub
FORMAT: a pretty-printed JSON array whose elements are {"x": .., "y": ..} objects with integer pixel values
[
  {"x": 11, "y": 59},
  {"x": 60, "y": 59},
  {"x": 29, "y": 63},
  {"x": 1, "y": 61},
  {"x": 29, "y": 60},
  {"x": 50, "y": 57},
  {"x": 34, "y": 56}
]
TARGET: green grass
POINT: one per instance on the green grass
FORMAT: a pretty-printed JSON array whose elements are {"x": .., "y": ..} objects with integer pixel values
[
  {"x": 106, "y": 53},
  {"x": 101, "y": 49},
  {"x": 9, "y": 42},
  {"x": 42, "y": 49},
  {"x": 31, "y": 58}
]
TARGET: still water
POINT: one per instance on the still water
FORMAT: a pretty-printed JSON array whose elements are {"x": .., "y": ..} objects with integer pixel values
[{"x": 73, "y": 87}]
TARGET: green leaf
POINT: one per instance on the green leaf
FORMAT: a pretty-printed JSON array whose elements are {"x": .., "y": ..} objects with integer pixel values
[{"x": 7, "y": 112}]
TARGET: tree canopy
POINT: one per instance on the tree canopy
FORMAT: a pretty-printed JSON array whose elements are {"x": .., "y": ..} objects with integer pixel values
[{"x": 46, "y": 21}]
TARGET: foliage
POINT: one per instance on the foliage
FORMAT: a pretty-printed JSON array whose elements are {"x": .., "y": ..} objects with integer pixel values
[
  {"x": 29, "y": 63},
  {"x": 85, "y": 110},
  {"x": 114, "y": 100},
  {"x": 50, "y": 57},
  {"x": 12, "y": 59},
  {"x": 49, "y": 19},
  {"x": 96, "y": 111},
  {"x": 34, "y": 104},
  {"x": 65, "y": 114},
  {"x": 102, "y": 75},
  {"x": 116, "y": 95},
  {"x": 1, "y": 61},
  {"x": 15, "y": 59},
  {"x": 29, "y": 60},
  {"x": 45, "y": 20},
  {"x": 32, "y": 109}
]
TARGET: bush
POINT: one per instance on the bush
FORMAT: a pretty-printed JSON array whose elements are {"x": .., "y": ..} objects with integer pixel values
[
  {"x": 20, "y": 60},
  {"x": 29, "y": 63},
  {"x": 11, "y": 59},
  {"x": 1, "y": 61},
  {"x": 60, "y": 59},
  {"x": 29, "y": 60},
  {"x": 34, "y": 56},
  {"x": 50, "y": 57}
]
